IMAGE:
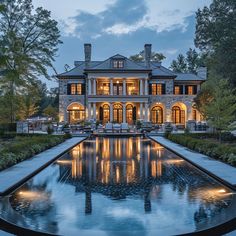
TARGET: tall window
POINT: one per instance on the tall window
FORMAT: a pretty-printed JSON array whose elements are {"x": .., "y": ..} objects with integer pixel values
[
  {"x": 118, "y": 64},
  {"x": 190, "y": 90},
  {"x": 76, "y": 112},
  {"x": 194, "y": 114},
  {"x": 158, "y": 89},
  {"x": 177, "y": 90},
  {"x": 118, "y": 113},
  {"x": 157, "y": 115},
  {"x": 75, "y": 89},
  {"x": 178, "y": 115}
]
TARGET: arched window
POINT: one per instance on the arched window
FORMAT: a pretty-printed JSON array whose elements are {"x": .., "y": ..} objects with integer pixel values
[
  {"x": 129, "y": 114},
  {"x": 104, "y": 113},
  {"x": 157, "y": 115},
  {"x": 76, "y": 112},
  {"x": 118, "y": 113},
  {"x": 178, "y": 115}
]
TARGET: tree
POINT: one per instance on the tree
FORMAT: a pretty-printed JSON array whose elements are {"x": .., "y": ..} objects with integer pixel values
[
  {"x": 28, "y": 45},
  {"x": 220, "y": 108},
  {"x": 215, "y": 35},
  {"x": 180, "y": 64},
  {"x": 154, "y": 57},
  {"x": 51, "y": 112}
]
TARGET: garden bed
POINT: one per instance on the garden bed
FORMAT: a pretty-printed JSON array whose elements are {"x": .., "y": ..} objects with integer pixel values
[
  {"x": 208, "y": 144},
  {"x": 18, "y": 148}
]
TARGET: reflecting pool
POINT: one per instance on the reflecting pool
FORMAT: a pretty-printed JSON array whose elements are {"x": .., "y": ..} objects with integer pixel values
[{"x": 119, "y": 186}]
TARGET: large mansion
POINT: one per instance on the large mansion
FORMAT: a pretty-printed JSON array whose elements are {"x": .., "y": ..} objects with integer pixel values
[{"x": 121, "y": 90}]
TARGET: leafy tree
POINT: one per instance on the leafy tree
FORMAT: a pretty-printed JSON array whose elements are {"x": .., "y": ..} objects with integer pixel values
[
  {"x": 51, "y": 112},
  {"x": 215, "y": 35},
  {"x": 220, "y": 106},
  {"x": 28, "y": 45},
  {"x": 141, "y": 57},
  {"x": 180, "y": 64}
]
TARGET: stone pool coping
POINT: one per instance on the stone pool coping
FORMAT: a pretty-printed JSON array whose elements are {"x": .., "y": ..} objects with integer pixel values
[
  {"x": 217, "y": 169},
  {"x": 16, "y": 175}
]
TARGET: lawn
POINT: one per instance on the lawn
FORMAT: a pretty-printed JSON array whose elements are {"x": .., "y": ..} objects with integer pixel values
[
  {"x": 18, "y": 148},
  {"x": 209, "y": 145}
]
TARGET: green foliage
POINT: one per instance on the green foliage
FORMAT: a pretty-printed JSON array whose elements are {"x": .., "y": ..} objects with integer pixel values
[
  {"x": 25, "y": 146},
  {"x": 215, "y": 35},
  {"x": 154, "y": 57},
  {"x": 202, "y": 144},
  {"x": 50, "y": 112},
  {"x": 49, "y": 129},
  {"x": 188, "y": 63},
  {"x": 28, "y": 45}
]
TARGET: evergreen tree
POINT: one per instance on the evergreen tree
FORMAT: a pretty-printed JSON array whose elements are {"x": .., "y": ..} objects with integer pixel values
[
  {"x": 180, "y": 64},
  {"x": 216, "y": 36}
]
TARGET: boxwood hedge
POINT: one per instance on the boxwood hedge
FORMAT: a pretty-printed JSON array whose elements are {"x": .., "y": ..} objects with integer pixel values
[
  {"x": 203, "y": 144},
  {"x": 23, "y": 147}
]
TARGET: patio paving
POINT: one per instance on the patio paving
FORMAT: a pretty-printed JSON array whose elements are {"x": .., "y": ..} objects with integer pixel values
[
  {"x": 217, "y": 169},
  {"x": 17, "y": 174}
]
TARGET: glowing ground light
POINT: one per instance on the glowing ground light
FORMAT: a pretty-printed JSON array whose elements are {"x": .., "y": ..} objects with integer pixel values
[
  {"x": 222, "y": 191},
  {"x": 33, "y": 195}
]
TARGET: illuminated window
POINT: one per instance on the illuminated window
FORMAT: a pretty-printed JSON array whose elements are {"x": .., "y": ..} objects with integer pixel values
[
  {"x": 118, "y": 64},
  {"x": 159, "y": 89},
  {"x": 194, "y": 114},
  {"x": 190, "y": 90},
  {"x": 75, "y": 89},
  {"x": 177, "y": 90},
  {"x": 154, "y": 89}
]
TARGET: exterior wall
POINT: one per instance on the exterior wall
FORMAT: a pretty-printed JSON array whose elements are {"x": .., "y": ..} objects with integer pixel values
[{"x": 166, "y": 101}]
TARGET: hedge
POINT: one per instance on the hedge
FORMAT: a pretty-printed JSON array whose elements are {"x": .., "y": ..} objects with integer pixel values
[
  {"x": 23, "y": 147},
  {"x": 199, "y": 143}
]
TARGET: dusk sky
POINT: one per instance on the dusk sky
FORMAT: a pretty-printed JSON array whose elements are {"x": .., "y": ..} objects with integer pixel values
[{"x": 121, "y": 26}]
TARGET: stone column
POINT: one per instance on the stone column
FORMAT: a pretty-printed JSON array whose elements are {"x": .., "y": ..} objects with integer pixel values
[
  {"x": 111, "y": 86},
  {"x": 141, "y": 110},
  {"x": 141, "y": 87},
  {"x": 89, "y": 86},
  {"x": 124, "y": 86},
  {"x": 146, "y": 111},
  {"x": 146, "y": 87},
  {"x": 94, "y": 86},
  {"x": 89, "y": 110},
  {"x": 111, "y": 112},
  {"x": 94, "y": 110},
  {"x": 124, "y": 112}
]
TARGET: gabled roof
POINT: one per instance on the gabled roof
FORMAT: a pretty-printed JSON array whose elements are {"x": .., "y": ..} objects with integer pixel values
[{"x": 128, "y": 65}]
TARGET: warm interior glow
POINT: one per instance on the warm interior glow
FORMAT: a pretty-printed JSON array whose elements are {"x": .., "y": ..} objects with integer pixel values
[
  {"x": 64, "y": 162},
  {"x": 33, "y": 195}
]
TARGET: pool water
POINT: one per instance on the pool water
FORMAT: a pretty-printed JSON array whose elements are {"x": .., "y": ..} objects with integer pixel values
[{"x": 119, "y": 186}]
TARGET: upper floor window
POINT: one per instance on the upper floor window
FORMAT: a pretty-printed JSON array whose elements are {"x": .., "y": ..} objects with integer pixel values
[
  {"x": 177, "y": 90},
  {"x": 158, "y": 89},
  {"x": 75, "y": 89},
  {"x": 118, "y": 64},
  {"x": 191, "y": 89}
]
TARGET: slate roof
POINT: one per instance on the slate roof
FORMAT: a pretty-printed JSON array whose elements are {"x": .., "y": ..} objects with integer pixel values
[
  {"x": 188, "y": 76},
  {"x": 156, "y": 69}
]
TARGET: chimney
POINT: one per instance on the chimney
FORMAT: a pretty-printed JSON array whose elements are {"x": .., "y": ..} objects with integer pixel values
[
  {"x": 147, "y": 54},
  {"x": 87, "y": 53},
  {"x": 202, "y": 72}
]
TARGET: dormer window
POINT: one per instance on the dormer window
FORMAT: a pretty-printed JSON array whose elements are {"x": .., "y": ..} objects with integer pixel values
[{"x": 118, "y": 64}]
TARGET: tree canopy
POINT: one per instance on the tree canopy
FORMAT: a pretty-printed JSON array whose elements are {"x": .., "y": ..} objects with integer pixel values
[
  {"x": 216, "y": 36},
  {"x": 154, "y": 57},
  {"x": 28, "y": 46}
]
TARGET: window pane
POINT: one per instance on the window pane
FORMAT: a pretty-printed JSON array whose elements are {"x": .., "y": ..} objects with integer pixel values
[
  {"x": 190, "y": 90},
  {"x": 73, "y": 89},
  {"x": 159, "y": 89},
  {"x": 79, "y": 89},
  {"x": 121, "y": 64},
  {"x": 177, "y": 90},
  {"x": 154, "y": 89}
]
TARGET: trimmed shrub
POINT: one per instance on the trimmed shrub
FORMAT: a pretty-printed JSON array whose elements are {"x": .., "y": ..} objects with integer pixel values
[
  {"x": 210, "y": 148},
  {"x": 25, "y": 146}
]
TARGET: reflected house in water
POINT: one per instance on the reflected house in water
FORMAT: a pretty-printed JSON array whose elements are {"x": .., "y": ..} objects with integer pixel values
[{"x": 124, "y": 167}]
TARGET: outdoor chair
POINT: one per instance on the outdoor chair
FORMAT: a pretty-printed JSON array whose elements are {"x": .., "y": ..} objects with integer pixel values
[
  {"x": 124, "y": 127},
  {"x": 108, "y": 127},
  {"x": 117, "y": 128}
]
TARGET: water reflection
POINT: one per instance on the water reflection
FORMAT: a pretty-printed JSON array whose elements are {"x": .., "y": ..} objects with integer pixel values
[{"x": 102, "y": 179}]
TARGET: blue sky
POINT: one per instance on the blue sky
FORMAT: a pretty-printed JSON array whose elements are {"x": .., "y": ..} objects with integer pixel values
[{"x": 122, "y": 26}]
